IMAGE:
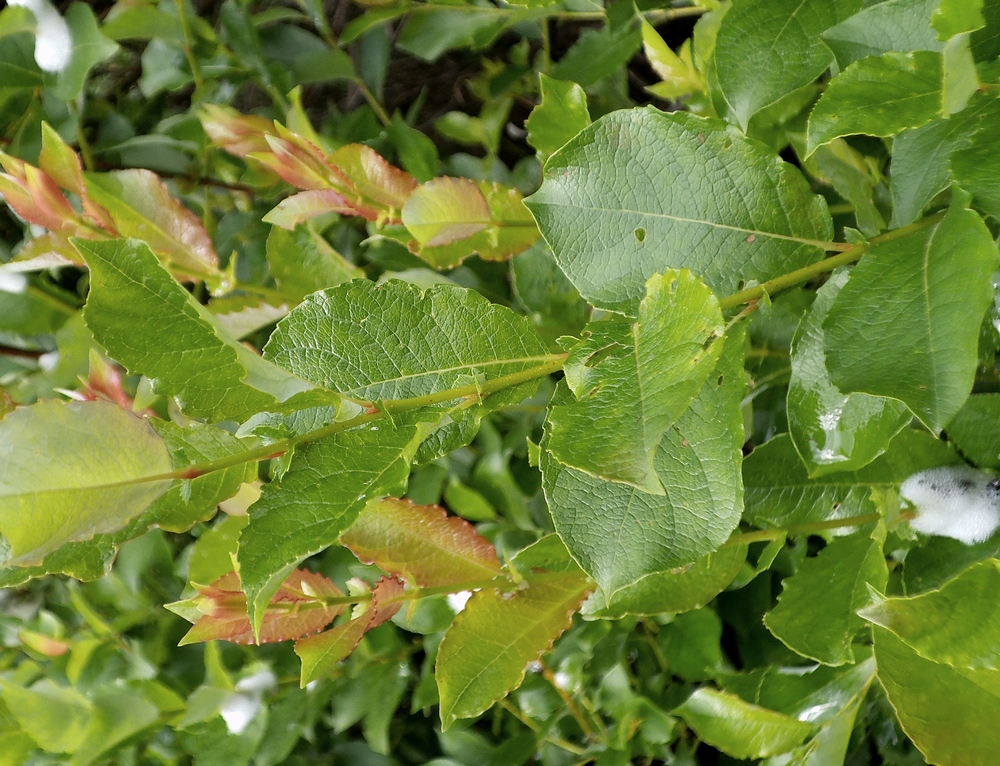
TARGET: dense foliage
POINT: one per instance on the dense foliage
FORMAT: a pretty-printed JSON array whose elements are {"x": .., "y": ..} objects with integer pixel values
[{"x": 499, "y": 383}]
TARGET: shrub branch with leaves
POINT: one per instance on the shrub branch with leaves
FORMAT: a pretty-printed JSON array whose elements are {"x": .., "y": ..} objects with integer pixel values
[{"x": 646, "y": 436}]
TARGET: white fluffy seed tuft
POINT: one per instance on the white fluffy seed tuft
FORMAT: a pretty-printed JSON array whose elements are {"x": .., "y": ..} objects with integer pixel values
[
  {"x": 957, "y": 501},
  {"x": 53, "y": 41}
]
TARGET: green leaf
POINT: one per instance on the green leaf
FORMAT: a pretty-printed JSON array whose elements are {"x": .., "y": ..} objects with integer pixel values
[
  {"x": 118, "y": 714},
  {"x": 920, "y": 157},
  {"x": 961, "y": 81},
  {"x": 633, "y": 381},
  {"x": 906, "y": 324},
  {"x": 823, "y": 628},
  {"x": 765, "y": 50},
  {"x": 90, "y": 47},
  {"x": 422, "y": 543},
  {"x": 394, "y": 341},
  {"x": 620, "y": 534},
  {"x": 974, "y": 165},
  {"x": 72, "y": 471},
  {"x": 56, "y": 717},
  {"x": 831, "y": 431},
  {"x": 954, "y": 17},
  {"x": 956, "y": 625},
  {"x": 986, "y": 40},
  {"x": 893, "y": 25},
  {"x": 486, "y": 651},
  {"x": 324, "y": 489},
  {"x": 665, "y": 191},
  {"x": 878, "y": 96},
  {"x": 974, "y": 430},
  {"x": 302, "y": 262},
  {"x": 452, "y": 218},
  {"x": 149, "y": 323},
  {"x": 949, "y": 715},
  {"x": 854, "y": 176},
  {"x": 140, "y": 206},
  {"x": 780, "y": 493},
  {"x": 561, "y": 114},
  {"x": 678, "y": 77},
  {"x": 674, "y": 592},
  {"x": 597, "y": 53},
  {"x": 738, "y": 728}
]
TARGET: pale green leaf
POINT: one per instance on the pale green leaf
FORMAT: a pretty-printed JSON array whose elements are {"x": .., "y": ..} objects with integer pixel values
[
  {"x": 118, "y": 713},
  {"x": 958, "y": 624},
  {"x": 960, "y": 79},
  {"x": 640, "y": 191},
  {"x": 394, "y": 341},
  {"x": 780, "y": 493},
  {"x": 878, "y": 96},
  {"x": 672, "y": 592},
  {"x": 765, "y": 50},
  {"x": 149, "y": 323},
  {"x": 906, "y": 324},
  {"x": 72, "y": 471},
  {"x": 678, "y": 77},
  {"x": 486, "y": 651},
  {"x": 823, "y": 628},
  {"x": 324, "y": 489},
  {"x": 90, "y": 47},
  {"x": 893, "y": 25},
  {"x": 302, "y": 262},
  {"x": 953, "y": 17},
  {"x": 561, "y": 114},
  {"x": 738, "y": 728},
  {"x": 632, "y": 381},
  {"x": 832, "y": 431},
  {"x": 620, "y": 534},
  {"x": 56, "y": 717},
  {"x": 948, "y": 715}
]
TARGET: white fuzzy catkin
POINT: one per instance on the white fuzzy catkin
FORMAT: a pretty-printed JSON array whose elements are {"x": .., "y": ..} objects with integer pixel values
[
  {"x": 53, "y": 41},
  {"x": 242, "y": 704},
  {"x": 957, "y": 501}
]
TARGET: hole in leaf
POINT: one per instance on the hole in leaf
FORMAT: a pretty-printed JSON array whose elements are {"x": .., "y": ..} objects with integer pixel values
[
  {"x": 740, "y": 285},
  {"x": 640, "y": 234},
  {"x": 603, "y": 353},
  {"x": 721, "y": 379},
  {"x": 673, "y": 285}
]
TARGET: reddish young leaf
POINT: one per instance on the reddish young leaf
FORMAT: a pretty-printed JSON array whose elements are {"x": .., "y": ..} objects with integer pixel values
[
  {"x": 292, "y": 211},
  {"x": 422, "y": 543},
  {"x": 321, "y": 652},
  {"x": 374, "y": 180},
  {"x": 238, "y": 134},
  {"x": 298, "y": 162},
  {"x": 297, "y": 609}
]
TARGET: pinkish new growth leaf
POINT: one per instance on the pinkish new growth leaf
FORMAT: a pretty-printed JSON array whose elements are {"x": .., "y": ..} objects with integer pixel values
[
  {"x": 422, "y": 543},
  {"x": 297, "y": 609}
]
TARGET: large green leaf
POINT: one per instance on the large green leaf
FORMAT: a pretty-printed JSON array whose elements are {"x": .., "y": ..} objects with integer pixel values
[
  {"x": 878, "y": 96},
  {"x": 324, "y": 489},
  {"x": 906, "y": 324},
  {"x": 958, "y": 625},
  {"x": 823, "y": 628},
  {"x": 920, "y": 157},
  {"x": 177, "y": 509},
  {"x": 640, "y": 191},
  {"x": 393, "y": 341},
  {"x": 486, "y": 651},
  {"x": 73, "y": 470},
  {"x": 893, "y": 25},
  {"x": 779, "y": 491},
  {"x": 948, "y": 715},
  {"x": 633, "y": 380},
  {"x": 765, "y": 49},
  {"x": 832, "y": 431},
  {"x": 620, "y": 534},
  {"x": 56, "y": 717},
  {"x": 738, "y": 728},
  {"x": 152, "y": 325},
  {"x": 687, "y": 588}
]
